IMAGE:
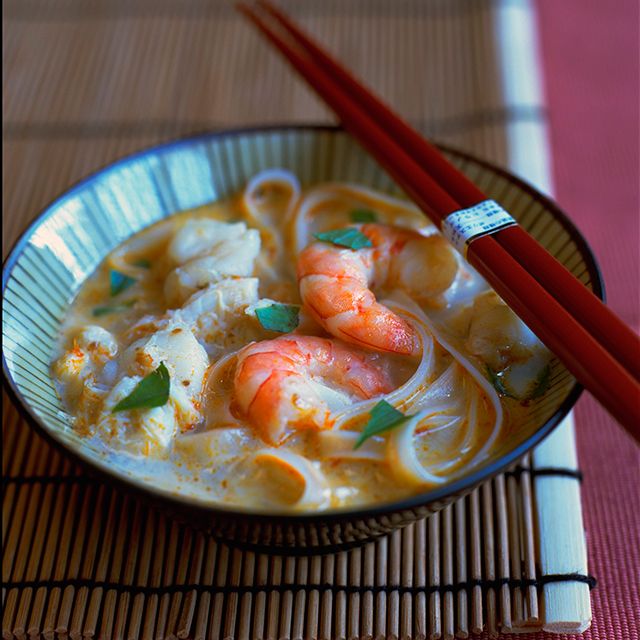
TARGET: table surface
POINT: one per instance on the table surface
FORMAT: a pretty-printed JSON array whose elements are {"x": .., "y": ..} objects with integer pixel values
[{"x": 590, "y": 59}]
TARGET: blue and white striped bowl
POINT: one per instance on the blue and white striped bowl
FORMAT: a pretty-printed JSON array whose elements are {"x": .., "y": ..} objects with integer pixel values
[{"x": 71, "y": 237}]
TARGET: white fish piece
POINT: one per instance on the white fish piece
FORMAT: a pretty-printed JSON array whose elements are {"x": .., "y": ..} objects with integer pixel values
[
  {"x": 158, "y": 424},
  {"x": 121, "y": 390},
  {"x": 187, "y": 362},
  {"x": 75, "y": 377},
  {"x": 185, "y": 405},
  {"x": 232, "y": 258},
  {"x": 177, "y": 347},
  {"x": 109, "y": 373},
  {"x": 198, "y": 237},
  {"x": 223, "y": 300},
  {"x": 97, "y": 340},
  {"x": 216, "y": 314},
  {"x": 78, "y": 369},
  {"x": 259, "y": 304}
]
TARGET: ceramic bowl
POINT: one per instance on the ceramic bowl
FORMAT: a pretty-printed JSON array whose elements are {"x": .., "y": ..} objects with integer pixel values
[{"x": 64, "y": 245}]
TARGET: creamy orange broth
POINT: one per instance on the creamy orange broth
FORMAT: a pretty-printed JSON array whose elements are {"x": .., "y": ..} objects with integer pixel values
[{"x": 212, "y": 451}]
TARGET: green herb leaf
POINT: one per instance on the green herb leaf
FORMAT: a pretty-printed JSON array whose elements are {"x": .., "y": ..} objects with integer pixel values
[
  {"x": 143, "y": 262},
  {"x": 119, "y": 282},
  {"x": 113, "y": 308},
  {"x": 542, "y": 384},
  {"x": 152, "y": 391},
  {"x": 383, "y": 417},
  {"x": 279, "y": 317},
  {"x": 349, "y": 237},
  {"x": 363, "y": 215},
  {"x": 498, "y": 384}
]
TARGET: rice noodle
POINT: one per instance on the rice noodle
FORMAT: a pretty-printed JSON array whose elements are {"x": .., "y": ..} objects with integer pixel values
[
  {"x": 336, "y": 444},
  {"x": 407, "y": 395},
  {"x": 402, "y": 452},
  {"x": 271, "y": 237},
  {"x": 215, "y": 447},
  {"x": 149, "y": 242},
  {"x": 291, "y": 480},
  {"x": 216, "y": 401},
  {"x": 393, "y": 210}
]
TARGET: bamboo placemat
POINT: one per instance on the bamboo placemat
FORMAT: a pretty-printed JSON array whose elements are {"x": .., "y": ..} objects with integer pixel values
[
  {"x": 82, "y": 559},
  {"x": 87, "y": 82}
]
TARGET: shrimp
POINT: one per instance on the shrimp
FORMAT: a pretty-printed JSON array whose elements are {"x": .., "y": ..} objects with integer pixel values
[
  {"x": 293, "y": 382},
  {"x": 496, "y": 334},
  {"x": 336, "y": 284}
]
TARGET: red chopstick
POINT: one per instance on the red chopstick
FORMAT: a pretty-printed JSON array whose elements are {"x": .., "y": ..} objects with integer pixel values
[
  {"x": 583, "y": 355},
  {"x": 597, "y": 318}
]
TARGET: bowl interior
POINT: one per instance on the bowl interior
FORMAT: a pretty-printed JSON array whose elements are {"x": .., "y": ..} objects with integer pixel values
[{"x": 68, "y": 241}]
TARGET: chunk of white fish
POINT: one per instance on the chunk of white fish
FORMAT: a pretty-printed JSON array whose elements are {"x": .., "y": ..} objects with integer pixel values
[{"x": 233, "y": 257}]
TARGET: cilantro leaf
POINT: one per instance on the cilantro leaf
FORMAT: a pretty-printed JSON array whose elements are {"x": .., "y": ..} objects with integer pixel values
[
  {"x": 498, "y": 384},
  {"x": 363, "y": 215},
  {"x": 143, "y": 262},
  {"x": 383, "y": 417},
  {"x": 112, "y": 308},
  {"x": 279, "y": 317},
  {"x": 119, "y": 282},
  {"x": 152, "y": 391},
  {"x": 542, "y": 383},
  {"x": 349, "y": 237}
]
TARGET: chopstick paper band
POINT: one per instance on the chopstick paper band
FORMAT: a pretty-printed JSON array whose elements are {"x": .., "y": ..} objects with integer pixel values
[{"x": 464, "y": 226}]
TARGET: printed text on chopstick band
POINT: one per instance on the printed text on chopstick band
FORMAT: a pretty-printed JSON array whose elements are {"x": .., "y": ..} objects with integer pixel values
[{"x": 464, "y": 226}]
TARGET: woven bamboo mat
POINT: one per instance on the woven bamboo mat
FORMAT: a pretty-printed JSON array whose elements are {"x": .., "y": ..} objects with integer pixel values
[{"x": 87, "y": 82}]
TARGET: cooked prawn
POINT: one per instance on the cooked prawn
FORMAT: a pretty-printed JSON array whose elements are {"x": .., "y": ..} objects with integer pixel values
[
  {"x": 336, "y": 284},
  {"x": 294, "y": 381}
]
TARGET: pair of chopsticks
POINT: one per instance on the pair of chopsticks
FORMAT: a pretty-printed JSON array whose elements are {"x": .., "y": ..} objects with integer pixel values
[{"x": 592, "y": 342}]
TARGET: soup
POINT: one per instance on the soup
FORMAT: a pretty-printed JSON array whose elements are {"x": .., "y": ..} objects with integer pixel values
[{"x": 294, "y": 349}]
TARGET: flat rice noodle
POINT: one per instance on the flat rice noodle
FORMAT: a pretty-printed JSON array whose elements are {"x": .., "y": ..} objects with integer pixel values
[
  {"x": 122, "y": 258},
  {"x": 339, "y": 445},
  {"x": 353, "y": 196},
  {"x": 214, "y": 447},
  {"x": 270, "y": 236},
  {"x": 283, "y": 479},
  {"x": 407, "y": 395},
  {"x": 402, "y": 451}
]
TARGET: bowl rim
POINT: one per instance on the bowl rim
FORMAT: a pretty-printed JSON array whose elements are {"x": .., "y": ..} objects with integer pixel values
[{"x": 460, "y": 486}]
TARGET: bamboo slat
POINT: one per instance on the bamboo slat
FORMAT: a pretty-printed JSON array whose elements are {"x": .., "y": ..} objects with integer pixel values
[{"x": 567, "y": 608}]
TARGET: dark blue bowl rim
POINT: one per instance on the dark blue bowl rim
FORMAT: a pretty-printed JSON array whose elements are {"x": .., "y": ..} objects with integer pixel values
[{"x": 424, "y": 499}]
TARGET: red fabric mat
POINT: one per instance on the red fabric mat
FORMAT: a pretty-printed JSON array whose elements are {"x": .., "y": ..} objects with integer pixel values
[{"x": 591, "y": 61}]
